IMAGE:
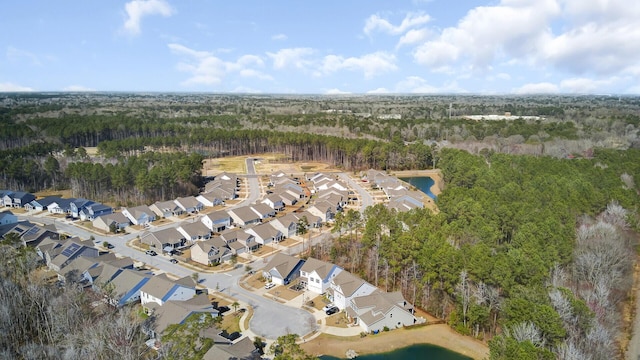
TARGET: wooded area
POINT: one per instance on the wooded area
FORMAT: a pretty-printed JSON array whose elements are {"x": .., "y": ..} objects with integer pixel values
[{"x": 532, "y": 249}]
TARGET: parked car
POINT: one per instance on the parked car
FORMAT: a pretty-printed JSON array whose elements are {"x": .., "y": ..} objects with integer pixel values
[
  {"x": 332, "y": 310},
  {"x": 270, "y": 286},
  {"x": 173, "y": 261},
  {"x": 328, "y": 306},
  {"x": 151, "y": 253},
  {"x": 108, "y": 245}
]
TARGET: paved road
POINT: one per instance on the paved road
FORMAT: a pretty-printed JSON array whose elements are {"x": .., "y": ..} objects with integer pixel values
[{"x": 366, "y": 199}]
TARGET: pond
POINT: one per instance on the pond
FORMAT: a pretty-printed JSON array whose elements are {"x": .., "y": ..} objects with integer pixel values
[
  {"x": 417, "y": 352},
  {"x": 422, "y": 183}
]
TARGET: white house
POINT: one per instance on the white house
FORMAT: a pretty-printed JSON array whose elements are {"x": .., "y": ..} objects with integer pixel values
[
  {"x": 378, "y": 310},
  {"x": 274, "y": 201},
  {"x": 244, "y": 216},
  {"x": 160, "y": 289},
  {"x": 287, "y": 225},
  {"x": 194, "y": 231},
  {"x": 265, "y": 233},
  {"x": 217, "y": 221},
  {"x": 318, "y": 274},
  {"x": 210, "y": 199},
  {"x": 189, "y": 204},
  {"x": 346, "y": 286}
]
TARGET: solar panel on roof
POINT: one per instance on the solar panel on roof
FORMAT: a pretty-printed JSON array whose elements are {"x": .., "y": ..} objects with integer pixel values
[
  {"x": 70, "y": 250},
  {"x": 32, "y": 231}
]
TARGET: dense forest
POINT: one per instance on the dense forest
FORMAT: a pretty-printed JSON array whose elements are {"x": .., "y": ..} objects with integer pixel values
[
  {"x": 534, "y": 241},
  {"x": 535, "y": 250}
]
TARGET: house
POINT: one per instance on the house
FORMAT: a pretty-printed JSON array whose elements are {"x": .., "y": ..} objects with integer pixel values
[
  {"x": 282, "y": 269},
  {"x": 263, "y": 210},
  {"x": 71, "y": 249},
  {"x": 217, "y": 221},
  {"x": 287, "y": 225},
  {"x": 60, "y": 206},
  {"x": 189, "y": 204},
  {"x": 291, "y": 188},
  {"x": 139, "y": 215},
  {"x": 243, "y": 349},
  {"x": 18, "y": 199},
  {"x": 41, "y": 204},
  {"x": 105, "y": 222},
  {"x": 7, "y": 217},
  {"x": 222, "y": 192},
  {"x": 30, "y": 234},
  {"x": 326, "y": 184},
  {"x": 274, "y": 201},
  {"x": 244, "y": 216},
  {"x": 288, "y": 198},
  {"x": 177, "y": 311},
  {"x": 194, "y": 231},
  {"x": 210, "y": 252},
  {"x": 125, "y": 287},
  {"x": 211, "y": 199},
  {"x": 318, "y": 274},
  {"x": 265, "y": 233},
  {"x": 166, "y": 209},
  {"x": 313, "y": 220},
  {"x": 76, "y": 270},
  {"x": 7, "y": 198},
  {"x": 380, "y": 310},
  {"x": 324, "y": 210},
  {"x": 78, "y": 205},
  {"x": 405, "y": 200},
  {"x": 91, "y": 212},
  {"x": 164, "y": 240},
  {"x": 346, "y": 286},
  {"x": 240, "y": 241},
  {"x": 160, "y": 289}
]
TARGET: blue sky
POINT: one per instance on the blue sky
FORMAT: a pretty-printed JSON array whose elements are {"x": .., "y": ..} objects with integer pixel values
[{"x": 322, "y": 47}]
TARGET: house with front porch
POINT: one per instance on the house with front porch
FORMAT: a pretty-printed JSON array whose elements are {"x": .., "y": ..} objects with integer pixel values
[
  {"x": 78, "y": 205},
  {"x": 318, "y": 274},
  {"x": 239, "y": 241},
  {"x": 60, "y": 206},
  {"x": 18, "y": 199},
  {"x": 274, "y": 201},
  {"x": 210, "y": 252},
  {"x": 165, "y": 240},
  {"x": 282, "y": 269}
]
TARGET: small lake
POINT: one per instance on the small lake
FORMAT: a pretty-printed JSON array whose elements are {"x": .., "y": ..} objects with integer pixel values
[
  {"x": 413, "y": 352},
  {"x": 422, "y": 183}
]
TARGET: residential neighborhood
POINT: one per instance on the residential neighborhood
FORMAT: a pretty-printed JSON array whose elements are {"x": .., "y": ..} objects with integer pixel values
[{"x": 209, "y": 235}]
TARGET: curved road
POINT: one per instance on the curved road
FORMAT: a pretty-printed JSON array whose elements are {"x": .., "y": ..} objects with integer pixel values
[
  {"x": 365, "y": 198},
  {"x": 270, "y": 319}
]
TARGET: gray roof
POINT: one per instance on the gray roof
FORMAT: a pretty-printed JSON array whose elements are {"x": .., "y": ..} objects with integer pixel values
[
  {"x": 245, "y": 213},
  {"x": 321, "y": 267},
  {"x": 348, "y": 282},
  {"x": 188, "y": 202},
  {"x": 195, "y": 228},
  {"x": 177, "y": 311},
  {"x": 284, "y": 264},
  {"x": 159, "y": 285}
]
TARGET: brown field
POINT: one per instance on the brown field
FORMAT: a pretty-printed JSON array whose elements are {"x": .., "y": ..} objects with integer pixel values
[{"x": 235, "y": 164}]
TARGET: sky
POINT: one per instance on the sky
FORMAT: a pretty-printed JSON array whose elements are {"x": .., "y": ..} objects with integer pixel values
[{"x": 322, "y": 47}]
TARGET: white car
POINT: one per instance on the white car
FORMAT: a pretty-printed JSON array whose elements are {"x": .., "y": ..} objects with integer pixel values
[
  {"x": 270, "y": 286},
  {"x": 328, "y": 306}
]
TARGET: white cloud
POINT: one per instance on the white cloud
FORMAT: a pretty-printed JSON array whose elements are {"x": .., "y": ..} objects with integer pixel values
[
  {"x": 513, "y": 28},
  {"x": 279, "y": 37},
  {"x": 10, "y": 87},
  {"x": 375, "y": 22},
  {"x": 336, "y": 92},
  {"x": 246, "y": 90},
  {"x": 586, "y": 85},
  {"x": 413, "y": 36},
  {"x": 379, "y": 90},
  {"x": 207, "y": 69},
  {"x": 137, "y": 9},
  {"x": 537, "y": 88},
  {"x": 77, "y": 88},
  {"x": 370, "y": 64},
  {"x": 293, "y": 57}
]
